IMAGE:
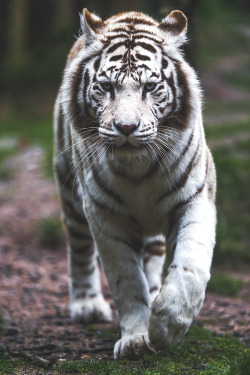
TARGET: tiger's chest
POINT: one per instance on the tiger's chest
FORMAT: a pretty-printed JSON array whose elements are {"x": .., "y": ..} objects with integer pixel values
[
  {"x": 133, "y": 196},
  {"x": 141, "y": 202}
]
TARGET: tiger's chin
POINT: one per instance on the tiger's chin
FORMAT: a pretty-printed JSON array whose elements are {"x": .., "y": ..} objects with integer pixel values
[{"x": 129, "y": 150}]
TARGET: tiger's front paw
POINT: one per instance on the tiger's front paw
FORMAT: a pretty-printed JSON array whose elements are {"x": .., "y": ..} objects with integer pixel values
[
  {"x": 90, "y": 310},
  {"x": 171, "y": 315},
  {"x": 131, "y": 346}
]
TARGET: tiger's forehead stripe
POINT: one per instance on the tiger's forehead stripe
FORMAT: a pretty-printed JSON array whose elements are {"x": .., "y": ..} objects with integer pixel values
[
  {"x": 134, "y": 41},
  {"x": 132, "y": 30}
]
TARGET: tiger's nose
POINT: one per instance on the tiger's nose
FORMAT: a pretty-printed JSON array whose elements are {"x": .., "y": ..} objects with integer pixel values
[{"x": 126, "y": 129}]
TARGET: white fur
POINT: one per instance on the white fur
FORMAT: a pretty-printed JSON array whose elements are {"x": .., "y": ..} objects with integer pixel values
[{"x": 88, "y": 310}]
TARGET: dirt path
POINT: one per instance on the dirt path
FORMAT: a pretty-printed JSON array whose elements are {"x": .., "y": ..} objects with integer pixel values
[{"x": 33, "y": 279}]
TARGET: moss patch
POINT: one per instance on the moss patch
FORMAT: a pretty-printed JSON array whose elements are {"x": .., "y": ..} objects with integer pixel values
[
  {"x": 224, "y": 285},
  {"x": 201, "y": 353},
  {"x": 50, "y": 232}
]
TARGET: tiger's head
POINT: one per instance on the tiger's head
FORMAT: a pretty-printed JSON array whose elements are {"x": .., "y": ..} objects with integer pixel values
[{"x": 130, "y": 80}]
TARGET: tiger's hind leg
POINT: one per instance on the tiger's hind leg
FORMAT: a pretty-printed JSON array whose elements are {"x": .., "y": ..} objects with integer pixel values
[
  {"x": 87, "y": 303},
  {"x": 153, "y": 260},
  {"x": 86, "y": 300}
]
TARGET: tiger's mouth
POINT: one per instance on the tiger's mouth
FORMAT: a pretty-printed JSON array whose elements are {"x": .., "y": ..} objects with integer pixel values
[
  {"x": 129, "y": 144},
  {"x": 133, "y": 142}
]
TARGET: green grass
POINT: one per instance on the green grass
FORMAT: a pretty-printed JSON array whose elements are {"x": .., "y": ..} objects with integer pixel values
[
  {"x": 50, "y": 232},
  {"x": 238, "y": 79},
  {"x": 38, "y": 132},
  {"x": 7, "y": 366},
  {"x": 213, "y": 107},
  {"x": 1, "y": 323},
  {"x": 243, "y": 145},
  {"x": 233, "y": 199},
  {"x": 233, "y": 203},
  {"x": 110, "y": 332},
  {"x": 219, "y": 32},
  {"x": 224, "y": 285},
  {"x": 6, "y": 151},
  {"x": 201, "y": 353},
  {"x": 228, "y": 128}
]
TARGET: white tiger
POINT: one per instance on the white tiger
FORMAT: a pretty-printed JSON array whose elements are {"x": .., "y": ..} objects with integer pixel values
[{"x": 133, "y": 168}]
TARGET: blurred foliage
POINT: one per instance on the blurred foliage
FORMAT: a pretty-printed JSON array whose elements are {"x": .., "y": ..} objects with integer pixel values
[
  {"x": 7, "y": 149},
  {"x": 50, "y": 232},
  {"x": 224, "y": 285},
  {"x": 49, "y": 27}
]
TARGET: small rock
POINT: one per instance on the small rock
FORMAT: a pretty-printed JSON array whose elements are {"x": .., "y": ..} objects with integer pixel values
[{"x": 11, "y": 331}]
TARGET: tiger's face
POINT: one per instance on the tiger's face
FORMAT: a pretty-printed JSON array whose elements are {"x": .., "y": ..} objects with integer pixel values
[
  {"x": 129, "y": 79},
  {"x": 131, "y": 96}
]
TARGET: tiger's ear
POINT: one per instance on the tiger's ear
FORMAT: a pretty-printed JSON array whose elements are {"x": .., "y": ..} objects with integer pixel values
[
  {"x": 91, "y": 26},
  {"x": 175, "y": 27}
]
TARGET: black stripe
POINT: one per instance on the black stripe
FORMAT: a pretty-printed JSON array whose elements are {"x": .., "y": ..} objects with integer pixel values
[
  {"x": 76, "y": 234},
  {"x": 100, "y": 204},
  {"x": 142, "y": 57},
  {"x": 153, "y": 289},
  {"x": 146, "y": 46},
  {"x": 162, "y": 100},
  {"x": 86, "y": 250},
  {"x": 112, "y": 67},
  {"x": 121, "y": 29},
  {"x": 171, "y": 84},
  {"x": 182, "y": 180},
  {"x": 146, "y": 37},
  {"x": 164, "y": 63},
  {"x": 135, "y": 243},
  {"x": 86, "y": 81},
  {"x": 113, "y": 47},
  {"x": 99, "y": 181},
  {"x": 111, "y": 37},
  {"x": 155, "y": 249},
  {"x": 85, "y": 294},
  {"x": 97, "y": 63},
  {"x": 71, "y": 212},
  {"x": 135, "y": 21},
  {"x": 89, "y": 271},
  {"x": 115, "y": 58},
  {"x": 198, "y": 191},
  {"x": 183, "y": 151},
  {"x": 185, "y": 106},
  {"x": 60, "y": 130},
  {"x": 143, "y": 66},
  {"x": 80, "y": 261},
  {"x": 76, "y": 78}
]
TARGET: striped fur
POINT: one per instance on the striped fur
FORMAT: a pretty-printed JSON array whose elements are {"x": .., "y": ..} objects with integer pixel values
[{"x": 133, "y": 169}]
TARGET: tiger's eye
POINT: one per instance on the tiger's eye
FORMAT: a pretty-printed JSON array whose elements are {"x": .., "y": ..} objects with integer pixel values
[
  {"x": 107, "y": 86},
  {"x": 150, "y": 86}
]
